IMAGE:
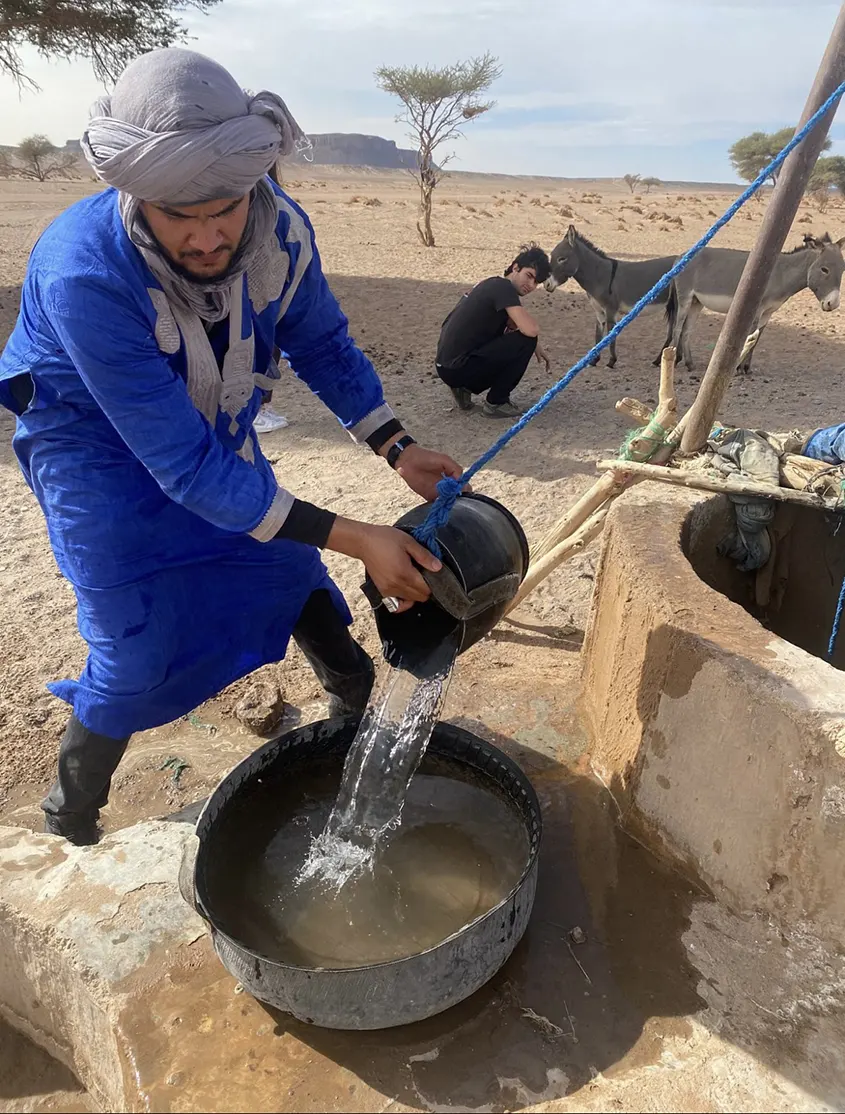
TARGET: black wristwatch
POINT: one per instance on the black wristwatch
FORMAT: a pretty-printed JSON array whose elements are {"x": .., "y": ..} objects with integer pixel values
[{"x": 397, "y": 448}]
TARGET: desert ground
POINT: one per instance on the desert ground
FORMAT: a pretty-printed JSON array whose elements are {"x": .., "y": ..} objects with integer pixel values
[{"x": 396, "y": 293}]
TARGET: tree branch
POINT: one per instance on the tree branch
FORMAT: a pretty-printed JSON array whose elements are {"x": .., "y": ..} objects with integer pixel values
[{"x": 107, "y": 32}]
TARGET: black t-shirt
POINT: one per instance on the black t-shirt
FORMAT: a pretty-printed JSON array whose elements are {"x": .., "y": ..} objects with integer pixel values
[{"x": 479, "y": 317}]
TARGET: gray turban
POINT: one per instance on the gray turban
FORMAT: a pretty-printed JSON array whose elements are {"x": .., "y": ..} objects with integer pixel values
[{"x": 179, "y": 129}]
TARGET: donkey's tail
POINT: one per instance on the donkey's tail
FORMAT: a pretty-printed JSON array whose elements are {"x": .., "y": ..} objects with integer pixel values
[
  {"x": 671, "y": 310},
  {"x": 671, "y": 313}
]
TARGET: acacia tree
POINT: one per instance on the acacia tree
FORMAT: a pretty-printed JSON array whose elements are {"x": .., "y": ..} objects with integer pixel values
[
  {"x": 37, "y": 160},
  {"x": 108, "y": 32},
  {"x": 828, "y": 173},
  {"x": 752, "y": 153},
  {"x": 649, "y": 183},
  {"x": 436, "y": 105},
  {"x": 631, "y": 181}
]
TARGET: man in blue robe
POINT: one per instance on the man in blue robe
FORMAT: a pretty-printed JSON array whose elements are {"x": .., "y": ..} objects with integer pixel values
[{"x": 149, "y": 318}]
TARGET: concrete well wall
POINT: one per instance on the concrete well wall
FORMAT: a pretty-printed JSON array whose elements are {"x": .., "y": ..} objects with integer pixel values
[{"x": 722, "y": 743}]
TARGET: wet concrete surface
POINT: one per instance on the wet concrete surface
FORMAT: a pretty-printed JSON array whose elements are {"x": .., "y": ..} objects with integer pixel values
[
  {"x": 599, "y": 981},
  {"x": 617, "y": 998}
]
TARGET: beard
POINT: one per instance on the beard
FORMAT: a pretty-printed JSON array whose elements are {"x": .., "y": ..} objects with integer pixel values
[
  {"x": 204, "y": 280},
  {"x": 184, "y": 272}
]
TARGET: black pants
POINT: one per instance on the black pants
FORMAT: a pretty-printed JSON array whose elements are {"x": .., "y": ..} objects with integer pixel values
[
  {"x": 87, "y": 761},
  {"x": 496, "y": 367}
]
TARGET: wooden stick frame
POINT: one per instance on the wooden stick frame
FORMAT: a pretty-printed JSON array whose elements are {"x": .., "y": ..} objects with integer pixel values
[
  {"x": 701, "y": 481},
  {"x": 585, "y": 520}
]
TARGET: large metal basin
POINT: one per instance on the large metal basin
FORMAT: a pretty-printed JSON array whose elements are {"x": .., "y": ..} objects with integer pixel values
[{"x": 384, "y": 994}]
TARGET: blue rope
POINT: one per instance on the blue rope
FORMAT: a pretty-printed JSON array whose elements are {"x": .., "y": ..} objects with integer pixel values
[
  {"x": 837, "y": 619},
  {"x": 449, "y": 488}
]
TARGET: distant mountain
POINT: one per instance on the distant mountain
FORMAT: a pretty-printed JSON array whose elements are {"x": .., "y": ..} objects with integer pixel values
[
  {"x": 332, "y": 149},
  {"x": 349, "y": 149}
]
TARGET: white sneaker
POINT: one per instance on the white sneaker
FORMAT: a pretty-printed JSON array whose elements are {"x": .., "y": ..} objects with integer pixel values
[{"x": 267, "y": 420}]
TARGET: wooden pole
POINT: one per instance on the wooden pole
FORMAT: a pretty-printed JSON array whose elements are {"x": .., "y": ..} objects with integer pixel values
[
  {"x": 648, "y": 440},
  {"x": 667, "y": 403},
  {"x": 687, "y": 477},
  {"x": 569, "y": 546},
  {"x": 780, "y": 214},
  {"x": 641, "y": 414},
  {"x": 576, "y": 516}
]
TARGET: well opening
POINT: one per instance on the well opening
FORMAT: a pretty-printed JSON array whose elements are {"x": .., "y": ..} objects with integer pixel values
[{"x": 798, "y": 602}]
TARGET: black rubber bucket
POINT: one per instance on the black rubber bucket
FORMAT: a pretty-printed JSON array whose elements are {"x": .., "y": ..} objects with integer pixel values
[
  {"x": 384, "y": 994},
  {"x": 485, "y": 558}
]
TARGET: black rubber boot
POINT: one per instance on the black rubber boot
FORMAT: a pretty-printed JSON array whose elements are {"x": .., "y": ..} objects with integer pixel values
[
  {"x": 81, "y": 831},
  {"x": 87, "y": 762},
  {"x": 352, "y": 700},
  {"x": 343, "y": 668}
]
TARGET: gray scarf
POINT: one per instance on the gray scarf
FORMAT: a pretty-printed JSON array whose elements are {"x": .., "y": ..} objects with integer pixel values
[{"x": 178, "y": 129}]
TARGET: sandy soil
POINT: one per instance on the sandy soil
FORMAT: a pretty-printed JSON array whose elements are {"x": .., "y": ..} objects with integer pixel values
[{"x": 396, "y": 294}]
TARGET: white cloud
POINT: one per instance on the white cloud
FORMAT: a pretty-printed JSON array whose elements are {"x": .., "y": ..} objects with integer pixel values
[{"x": 585, "y": 84}]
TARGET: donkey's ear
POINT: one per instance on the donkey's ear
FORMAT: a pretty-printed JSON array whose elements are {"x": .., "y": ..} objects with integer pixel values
[
  {"x": 571, "y": 234},
  {"x": 841, "y": 242},
  {"x": 810, "y": 241}
]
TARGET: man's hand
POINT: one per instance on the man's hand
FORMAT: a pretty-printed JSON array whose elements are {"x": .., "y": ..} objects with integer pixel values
[
  {"x": 542, "y": 356},
  {"x": 422, "y": 469},
  {"x": 388, "y": 555}
]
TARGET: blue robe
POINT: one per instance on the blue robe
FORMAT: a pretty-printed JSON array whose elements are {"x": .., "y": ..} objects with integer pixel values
[{"x": 149, "y": 507}]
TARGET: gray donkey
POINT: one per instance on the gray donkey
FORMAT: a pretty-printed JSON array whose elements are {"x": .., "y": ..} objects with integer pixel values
[
  {"x": 612, "y": 285},
  {"x": 710, "y": 280}
]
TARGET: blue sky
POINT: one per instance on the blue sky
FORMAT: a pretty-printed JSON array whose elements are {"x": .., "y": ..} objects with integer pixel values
[{"x": 593, "y": 88}]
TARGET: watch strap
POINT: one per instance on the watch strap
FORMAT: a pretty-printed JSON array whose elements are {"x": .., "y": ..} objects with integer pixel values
[{"x": 397, "y": 448}]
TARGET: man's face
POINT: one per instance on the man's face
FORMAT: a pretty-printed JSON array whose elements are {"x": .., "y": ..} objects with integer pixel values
[
  {"x": 524, "y": 279},
  {"x": 201, "y": 238}
]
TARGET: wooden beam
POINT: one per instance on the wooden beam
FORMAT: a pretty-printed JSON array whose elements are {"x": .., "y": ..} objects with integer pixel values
[
  {"x": 687, "y": 477},
  {"x": 633, "y": 408},
  {"x": 805, "y": 473}
]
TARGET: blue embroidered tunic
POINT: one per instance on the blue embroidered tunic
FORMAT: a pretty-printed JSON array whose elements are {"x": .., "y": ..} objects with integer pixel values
[{"x": 163, "y": 521}]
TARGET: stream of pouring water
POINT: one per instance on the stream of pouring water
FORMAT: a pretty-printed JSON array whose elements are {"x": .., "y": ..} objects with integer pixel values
[{"x": 388, "y": 747}]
